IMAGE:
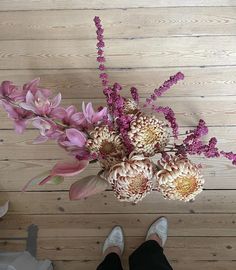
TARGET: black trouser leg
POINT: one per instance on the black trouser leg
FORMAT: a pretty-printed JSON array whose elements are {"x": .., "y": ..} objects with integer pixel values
[
  {"x": 111, "y": 262},
  {"x": 149, "y": 256}
]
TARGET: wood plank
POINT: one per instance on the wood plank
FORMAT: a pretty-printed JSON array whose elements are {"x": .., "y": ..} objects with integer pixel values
[
  {"x": 209, "y": 201},
  {"x": 21, "y": 147},
  {"x": 177, "y": 265},
  {"x": 214, "y": 171},
  {"x": 105, "y": 4},
  {"x": 89, "y": 248},
  {"x": 211, "y": 81},
  {"x": 214, "y": 110},
  {"x": 145, "y": 22},
  {"x": 151, "y": 52},
  {"x": 83, "y": 225}
]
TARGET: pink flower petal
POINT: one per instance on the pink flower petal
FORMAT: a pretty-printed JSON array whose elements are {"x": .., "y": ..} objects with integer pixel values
[
  {"x": 40, "y": 96},
  {"x": 56, "y": 100},
  {"x": 78, "y": 118},
  {"x": 10, "y": 110},
  {"x": 83, "y": 108},
  {"x": 28, "y": 107},
  {"x": 88, "y": 111},
  {"x": 20, "y": 126},
  {"x": 69, "y": 169},
  {"x": 29, "y": 98},
  {"x": 99, "y": 115},
  {"x": 59, "y": 113},
  {"x": 42, "y": 125},
  {"x": 71, "y": 110},
  {"x": 65, "y": 143},
  {"x": 40, "y": 122},
  {"x": 40, "y": 139},
  {"x": 46, "y": 92},
  {"x": 4, "y": 88},
  {"x": 32, "y": 84},
  {"x": 87, "y": 186},
  {"x": 76, "y": 137}
]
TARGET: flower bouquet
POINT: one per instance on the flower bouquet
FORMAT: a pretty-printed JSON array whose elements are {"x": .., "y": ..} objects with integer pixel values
[{"x": 136, "y": 145}]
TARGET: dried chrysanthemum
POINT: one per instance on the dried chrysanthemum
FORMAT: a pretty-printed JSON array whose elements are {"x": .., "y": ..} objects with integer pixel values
[
  {"x": 109, "y": 161},
  {"x": 148, "y": 134},
  {"x": 107, "y": 145},
  {"x": 131, "y": 179},
  {"x": 130, "y": 106},
  {"x": 179, "y": 179}
]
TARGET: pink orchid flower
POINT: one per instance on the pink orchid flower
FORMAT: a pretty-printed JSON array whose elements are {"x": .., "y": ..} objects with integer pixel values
[
  {"x": 74, "y": 139},
  {"x": 11, "y": 91},
  {"x": 69, "y": 116},
  {"x": 18, "y": 94},
  {"x": 18, "y": 115},
  {"x": 39, "y": 103},
  {"x": 91, "y": 116},
  {"x": 47, "y": 129},
  {"x": 33, "y": 87}
]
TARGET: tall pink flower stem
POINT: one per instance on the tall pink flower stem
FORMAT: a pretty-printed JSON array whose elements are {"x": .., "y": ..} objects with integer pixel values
[
  {"x": 164, "y": 87},
  {"x": 167, "y": 111},
  {"x": 100, "y": 51}
]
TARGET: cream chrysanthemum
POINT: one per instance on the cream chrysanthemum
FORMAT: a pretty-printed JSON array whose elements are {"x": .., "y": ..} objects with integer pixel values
[
  {"x": 107, "y": 145},
  {"x": 148, "y": 135},
  {"x": 179, "y": 179},
  {"x": 131, "y": 179},
  {"x": 130, "y": 106}
]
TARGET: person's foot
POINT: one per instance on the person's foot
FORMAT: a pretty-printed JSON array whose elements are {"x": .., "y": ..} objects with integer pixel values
[
  {"x": 158, "y": 231},
  {"x": 114, "y": 242}
]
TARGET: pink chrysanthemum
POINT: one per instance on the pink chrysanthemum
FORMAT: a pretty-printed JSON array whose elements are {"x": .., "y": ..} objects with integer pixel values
[
  {"x": 130, "y": 106},
  {"x": 131, "y": 179},
  {"x": 148, "y": 135},
  {"x": 179, "y": 179},
  {"x": 106, "y": 145}
]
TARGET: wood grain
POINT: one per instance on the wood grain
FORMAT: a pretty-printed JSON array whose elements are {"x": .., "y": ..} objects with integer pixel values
[
  {"x": 145, "y": 22},
  {"x": 177, "y": 265},
  {"x": 210, "y": 81},
  {"x": 215, "y": 111},
  {"x": 209, "y": 201},
  {"x": 147, "y": 41},
  {"x": 106, "y": 4},
  {"x": 151, "y": 52},
  {"x": 89, "y": 248},
  {"x": 218, "y": 174},
  {"x": 82, "y": 225},
  {"x": 15, "y": 147},
  {"x": 21, "y": 147}
]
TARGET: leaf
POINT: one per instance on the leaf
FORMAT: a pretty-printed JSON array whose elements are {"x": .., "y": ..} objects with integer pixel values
[
  {"x": 36, "y": 180},
  {"x": 87, "y": 186},
  {"x": 4, "y": 209},
  {"x": 56, "y": 180},
  {"x": 69, "y": 169}
]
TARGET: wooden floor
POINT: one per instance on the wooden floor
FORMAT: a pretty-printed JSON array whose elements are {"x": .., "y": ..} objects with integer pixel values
[{"x": 147, "y": 40}]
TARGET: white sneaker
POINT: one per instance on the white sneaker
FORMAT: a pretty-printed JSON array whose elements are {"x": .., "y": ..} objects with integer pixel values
[
  {"x": 159, "y": 227},
  {"x": 114, "y": 239}
]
